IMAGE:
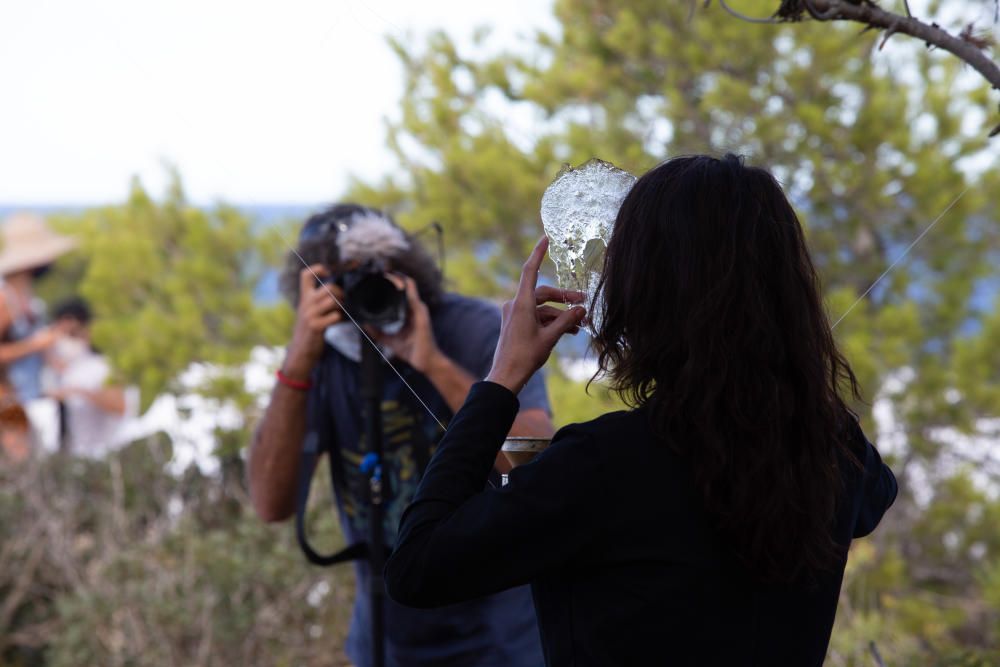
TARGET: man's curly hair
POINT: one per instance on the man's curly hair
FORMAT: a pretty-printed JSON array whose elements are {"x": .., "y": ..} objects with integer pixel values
[{"x": 415, "y": 261}]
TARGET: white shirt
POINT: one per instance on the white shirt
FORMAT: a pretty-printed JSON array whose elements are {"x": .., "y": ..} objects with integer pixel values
[{"x": 93, "y": 432}]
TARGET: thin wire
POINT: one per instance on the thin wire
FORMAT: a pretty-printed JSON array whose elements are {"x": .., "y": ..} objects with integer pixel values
[
  {"x": 899, "y": 259},
  {"x": 439, "y": 231},
  {"x": 363, "y": 333},
  {"x": 373, "y": 13}
]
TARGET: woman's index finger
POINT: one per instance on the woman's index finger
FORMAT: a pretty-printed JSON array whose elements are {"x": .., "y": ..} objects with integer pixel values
[{"x": 529, "y": 274}]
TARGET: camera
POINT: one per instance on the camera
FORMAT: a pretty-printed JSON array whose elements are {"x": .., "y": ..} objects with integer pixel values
[{"x": 371, "y": 298}]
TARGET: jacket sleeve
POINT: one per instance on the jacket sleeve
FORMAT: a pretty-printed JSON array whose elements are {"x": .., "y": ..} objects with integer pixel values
[
  {"x": 878, "y": 492},
  {"x": 457, "y": 541}
]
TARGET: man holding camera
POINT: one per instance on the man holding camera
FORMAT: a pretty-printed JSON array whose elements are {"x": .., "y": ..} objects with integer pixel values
[{"x": 440, "y": 343}]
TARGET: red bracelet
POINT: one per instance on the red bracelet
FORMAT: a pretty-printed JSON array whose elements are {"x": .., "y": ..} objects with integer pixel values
[{"x": 293, "y": 384}]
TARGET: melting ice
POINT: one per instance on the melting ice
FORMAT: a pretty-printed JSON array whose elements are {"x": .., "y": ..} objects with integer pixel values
[{"x": 578, "y": 213}]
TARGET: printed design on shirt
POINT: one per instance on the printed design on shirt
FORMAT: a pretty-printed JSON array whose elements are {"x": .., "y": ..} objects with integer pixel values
[{"x": 400, "y": 468}]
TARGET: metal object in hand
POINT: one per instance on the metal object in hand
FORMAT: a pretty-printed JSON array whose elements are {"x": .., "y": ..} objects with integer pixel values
[{"x": 520, "y": 450}]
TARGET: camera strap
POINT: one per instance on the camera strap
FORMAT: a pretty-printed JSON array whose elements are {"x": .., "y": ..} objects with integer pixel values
[
  {"x": 317, "y": 441},
  {"x": 310, "y": 455}
]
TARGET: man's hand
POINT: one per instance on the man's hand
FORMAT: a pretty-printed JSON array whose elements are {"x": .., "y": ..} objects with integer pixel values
[
  {"x": 530, "y": 328},
  {"x": 316, "y": 311},
  {"x": 415, "y": 344}
]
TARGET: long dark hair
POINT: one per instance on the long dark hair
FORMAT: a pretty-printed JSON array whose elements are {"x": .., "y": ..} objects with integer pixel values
[{"x": 709, "y": 314}]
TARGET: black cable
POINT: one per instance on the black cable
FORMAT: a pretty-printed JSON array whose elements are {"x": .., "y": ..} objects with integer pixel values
[{"x": 439, "y": 230}]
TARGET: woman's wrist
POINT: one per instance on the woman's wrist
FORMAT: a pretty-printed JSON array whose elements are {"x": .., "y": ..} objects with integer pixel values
[{"x": 505, "y": 379}]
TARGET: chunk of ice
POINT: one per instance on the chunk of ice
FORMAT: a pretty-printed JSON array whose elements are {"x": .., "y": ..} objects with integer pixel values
[{"x": 578, "y": 213}]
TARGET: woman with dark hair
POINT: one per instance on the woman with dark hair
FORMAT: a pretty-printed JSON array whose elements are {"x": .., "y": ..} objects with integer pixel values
[{"x": 709, "y": 524}]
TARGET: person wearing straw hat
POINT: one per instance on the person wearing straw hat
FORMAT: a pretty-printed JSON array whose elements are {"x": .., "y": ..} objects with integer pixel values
[{"x": 29, "y": 248}]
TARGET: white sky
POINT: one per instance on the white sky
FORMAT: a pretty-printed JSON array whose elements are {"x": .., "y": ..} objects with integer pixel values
[{"x": 253, "y": 101}]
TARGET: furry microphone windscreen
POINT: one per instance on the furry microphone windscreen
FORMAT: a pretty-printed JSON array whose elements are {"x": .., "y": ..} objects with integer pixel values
[{"x": 371, "y": 236}]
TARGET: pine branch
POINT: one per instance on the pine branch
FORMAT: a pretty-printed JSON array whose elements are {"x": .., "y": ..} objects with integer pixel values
[
  {"x": 873, "y": 16},
  {"x": 965, "y": 45}
]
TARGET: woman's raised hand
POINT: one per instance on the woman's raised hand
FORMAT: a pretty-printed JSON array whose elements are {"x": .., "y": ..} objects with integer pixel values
[{"x": 530, "y": 327}]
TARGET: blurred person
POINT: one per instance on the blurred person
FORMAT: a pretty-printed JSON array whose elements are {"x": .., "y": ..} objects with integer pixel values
[
  {"x": 710, "y": 523},
  {"x": 93, "y": 412},
  {"x": 445, "y": 345},
  {"x": 15, "y": 429},
  {"x": 29, "y": 249}
]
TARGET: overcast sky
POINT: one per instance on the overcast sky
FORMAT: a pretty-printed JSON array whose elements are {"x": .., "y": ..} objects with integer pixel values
[{"x": 252, "y": 101}]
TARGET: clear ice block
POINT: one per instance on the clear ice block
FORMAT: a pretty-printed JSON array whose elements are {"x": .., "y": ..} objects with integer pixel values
[{"x": 578, "y": 213}]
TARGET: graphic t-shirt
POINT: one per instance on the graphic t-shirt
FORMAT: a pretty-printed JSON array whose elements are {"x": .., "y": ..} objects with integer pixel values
[{"x": 497, "y": 630}]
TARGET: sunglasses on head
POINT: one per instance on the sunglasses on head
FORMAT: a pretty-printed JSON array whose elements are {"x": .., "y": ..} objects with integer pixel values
[{"x": 324, "y": 228}]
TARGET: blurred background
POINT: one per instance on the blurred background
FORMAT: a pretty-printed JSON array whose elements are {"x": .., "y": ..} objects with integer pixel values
[{"x": 179, "y": 145}]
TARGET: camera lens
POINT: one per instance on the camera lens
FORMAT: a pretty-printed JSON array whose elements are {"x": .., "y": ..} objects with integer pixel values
[
  {"x": 372, "y": 298},
  {"x": 378, "y": 300}
]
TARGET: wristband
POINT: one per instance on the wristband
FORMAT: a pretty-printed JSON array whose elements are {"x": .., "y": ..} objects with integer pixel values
[{"x": 300, "y": 385}]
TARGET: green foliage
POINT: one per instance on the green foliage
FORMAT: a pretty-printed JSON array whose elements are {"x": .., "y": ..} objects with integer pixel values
[
  {"x": 171, "y": 284},
  {"x": 573, "y": 402},
  {"x": 120, "y": 564}
]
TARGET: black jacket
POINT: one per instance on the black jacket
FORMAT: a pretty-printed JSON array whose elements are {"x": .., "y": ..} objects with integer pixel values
[{"x": 607, "y": 527}]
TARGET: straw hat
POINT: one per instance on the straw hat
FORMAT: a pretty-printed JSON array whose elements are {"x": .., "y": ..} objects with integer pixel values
[{"x": 28, "y": 243}]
